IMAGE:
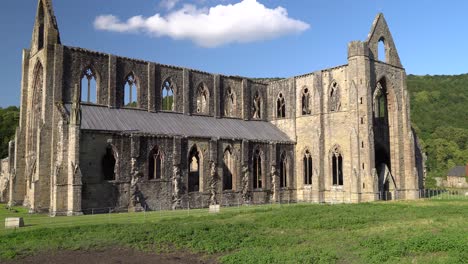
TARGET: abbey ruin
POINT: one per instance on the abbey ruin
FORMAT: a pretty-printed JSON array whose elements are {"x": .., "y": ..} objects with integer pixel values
[{"x": 98, "y": 130}]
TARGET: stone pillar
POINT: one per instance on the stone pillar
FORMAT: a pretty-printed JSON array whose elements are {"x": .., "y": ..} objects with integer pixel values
[
  {"x": 245, "y": 100},
  {"x": 185, "y": 93},
  {"x": 112, "y": 90},
  {"x": 217, "y": 96},
  {"x": 176, "y": 178},
  {"x": 74, "y": 172},
  {"x": 273, "y": 179},
  {"x": 152, "y": 103},
  {"x": 246, "y": 180}
]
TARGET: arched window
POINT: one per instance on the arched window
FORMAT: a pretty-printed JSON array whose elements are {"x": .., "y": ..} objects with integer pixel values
[
  {"x": 380, "y": 102},
  {"x": 305, "y": 101},
  {"x": 280, "y": 106},
  {"x": 283, "y": 170},
  {"x": 88, "y": 86},
  {"x": 337, "y": 167},
  {"x": 35, "y": 108},
  {"x": 130, "y": 91},
  {"x": 108, "y": 164},
  {"x": 203, "y": 97},
  {"x": 229, "y": 103},
  {"x": 381, "y": 52},
  {"x": 194, "y": 170},
  {"x": 334, "y": 99},
  {"x": 257, "y": 106},
  {"x": 308, "y": 169},
  {"x": 228, "y": 169},
  {"x": 155, "y": 164},
  {"x": 40, "y": 32},
  {"x": 257, "y": 170},
  {"x": 167, "y": 96}
]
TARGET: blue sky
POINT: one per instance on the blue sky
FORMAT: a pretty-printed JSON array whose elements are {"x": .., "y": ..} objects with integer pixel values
[{"x": 431, "y": 36}]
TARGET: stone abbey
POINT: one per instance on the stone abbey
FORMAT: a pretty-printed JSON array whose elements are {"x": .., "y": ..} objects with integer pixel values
[{"x": 102, "y": 131}]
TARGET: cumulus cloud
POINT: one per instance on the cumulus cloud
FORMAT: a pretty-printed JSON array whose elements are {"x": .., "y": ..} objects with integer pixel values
[
  {"x": 246, "y": 21},
  {"x": 168, "y": 4}
]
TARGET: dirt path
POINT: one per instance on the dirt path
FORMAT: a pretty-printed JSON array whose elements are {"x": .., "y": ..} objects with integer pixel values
[{"x": 114, "y": 256}]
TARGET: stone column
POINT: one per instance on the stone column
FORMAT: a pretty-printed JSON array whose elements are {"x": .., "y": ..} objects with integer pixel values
[
  {"x": 245, "y": 100},
  {"x": 185, "y": 92},
  {"x": 112, "y": 92},
  {"x": 217, "y": 96},
  {"x": 152, "y": 103}
]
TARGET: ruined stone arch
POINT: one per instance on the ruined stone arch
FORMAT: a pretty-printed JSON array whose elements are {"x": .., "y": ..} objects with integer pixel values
[
  {"x": 306, "y": 98},
  {"x": 41, "y": 26},
  {"x": 284, "y": 169},
  {"x": 89, "y": 84},
  {"x": 156, "y": 163},
  {"x": 229, "y": 102},
  {"x": 280, "y": 105},
  {"x": 229, "y": 168},
  {"x": 195, "y": 169},
  {"x": 258, "y": 168},
  {"x": 336, "y": 165},
  {"x": 168, "y": 94},
  {"x": 35, "y": 106},
  {"x": 334, "y": 97},
  {"x": 257, "y": 104},
  {"x": 130, "y": 90},
  {"x": 203, "y": 99},
  {"x": 110, "y": 163},
  {"x": 307, "y": 166}
]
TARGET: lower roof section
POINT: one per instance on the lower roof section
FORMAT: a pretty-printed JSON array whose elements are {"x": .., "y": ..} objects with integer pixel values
[{"x": 125, "y": 120}]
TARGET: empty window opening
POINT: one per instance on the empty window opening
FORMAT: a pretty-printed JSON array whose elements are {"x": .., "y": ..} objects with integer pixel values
[
  {"x": 362, "y": 144},
  {"x": 257, "y": 170},
  {"x": 88, "y": 86},
  {"x": 382, "y": 56},
  {"x": 108, "y": 164},
  {"x": 380, "y": 102},
  {"x": 130, "y": 91},
  {"x": 283, "y": 171},
  {"x": 335, "y": 103},
  {"x": 228, "y": 169},
  {"x": 280, "y": 106},
  {"x": 362, "y": 120},
  {"x": 167, "y": 96},
  {"x": 229, "y": 103},
  {"x": 202, "y": 99},
  {"x": 307, "y": 162},
  {"x": 305, "y": 102},
  {"x": 194, "y": 170},
  {"x": 360, "y": 100},
  {"x": 256, "y": 106},
  {"x": 155, "y": 164},
  {"x": 40, "y": 32},
  {"x": 337, "y": 167},
  {"x": 362, "y": 165}
]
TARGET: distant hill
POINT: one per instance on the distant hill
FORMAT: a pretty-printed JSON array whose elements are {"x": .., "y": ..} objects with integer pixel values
[{"x": 439, "y": 112}]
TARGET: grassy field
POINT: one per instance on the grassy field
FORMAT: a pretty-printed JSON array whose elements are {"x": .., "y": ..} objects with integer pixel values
[{"x": 425, "y": 231}]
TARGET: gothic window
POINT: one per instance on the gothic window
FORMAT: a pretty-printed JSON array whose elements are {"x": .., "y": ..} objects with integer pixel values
[
  {"x": 167, "y": 96},
  {"x": 334, "y": 99},
  {"x": 35, "y": 108},
  {"x": 203, "y": 97},
  {"x": 108, "y": 164},
  {"x": 283, "y": 171},
  {"x": 337, "y": 167},
  {"x": 155, "y": 164},
  {"x": 88, "y": 86},
  {"x": 380, "y": 102},
  {"x": 280, "y": 106},
  {"x": 229, "y": 103},
  {"x": 305, "y": 101},
  {"x": 194, "y": 170},
  {"x": 40, "y": 32},
  {"x": 307, "y": 160},
  {"x": 257, "y": 170},
  {"x": 381, "y": 52},
  {"x": 130, "y": 91},
  {"x": 228, "y": 169},
  {"x": 256, "y": 106}
]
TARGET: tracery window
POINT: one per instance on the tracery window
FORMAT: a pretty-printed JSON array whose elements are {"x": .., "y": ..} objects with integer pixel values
[
  {"x": 283, "y": 171},
  {"x": 257, "y": 170},
  {"x": 194, "y": 170},
  {"x": 337, "y": 167},
  {"x": 280, "y": 106},
  {"x": 155, "y": 164},
  {"x": 334, "y": 100},
  {"x": 380, "y": 102},
  {"x": 229, "y": 103},
  {"x": 40, "y": 32},
  {"x": 35, "y": 107},
  {"x": 203, "y": 97},
  {"x": 167, "y": 96},
  {"x": 308, "y": 168},
  {"x": 130, "y": 91},
  {"x": 256, "y": 106},
  {"x": 88, "y": 86},
  {"x": 305, "y": 100},
  {"x": 228, "y": 169}
]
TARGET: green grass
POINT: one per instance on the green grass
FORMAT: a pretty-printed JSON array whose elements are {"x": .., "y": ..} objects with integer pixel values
[{"x": 425, "y": 231}]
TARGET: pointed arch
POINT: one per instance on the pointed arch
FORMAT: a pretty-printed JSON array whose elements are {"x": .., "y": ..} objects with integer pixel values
[
  {"x": 155, "y": 163},
  {"x": 41, "y": 27},
  {"x": 257, "y": 106},
  {"x": 283, "y": 170},
  {"x": 131, "y": 91},
  {"x": 305, "y": 101},
  {"x": 89, "y": 86},
  {"x": 257, "y": 171},
  {"x": 307, "y": 167},
  {"x": 168, "y": 95},
  {"x": 334, "y": 102},
  {"x": 280, "y": 106},
  {"x": 195, "y": 162},
  {"x": 228, "y": 169},
  {"x": 35, "y": 108},
  {"x": 110, "y": 163},
  {"x": 203, "y": 99},
  {"x": 229, "y": 102},
  {"x": 336, "y": 165}
]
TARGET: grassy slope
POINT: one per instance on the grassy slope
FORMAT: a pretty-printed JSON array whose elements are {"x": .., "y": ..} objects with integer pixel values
[{"x": 423, "y": 231}]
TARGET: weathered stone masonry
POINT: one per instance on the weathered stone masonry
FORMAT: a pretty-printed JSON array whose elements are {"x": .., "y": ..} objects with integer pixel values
[{"x": 103, "y": 131}]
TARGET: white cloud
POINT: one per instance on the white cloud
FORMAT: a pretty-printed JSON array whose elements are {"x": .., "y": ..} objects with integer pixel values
[
  {"x": 246, "y": 21},
  {"x": 168, "y": 4}
]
